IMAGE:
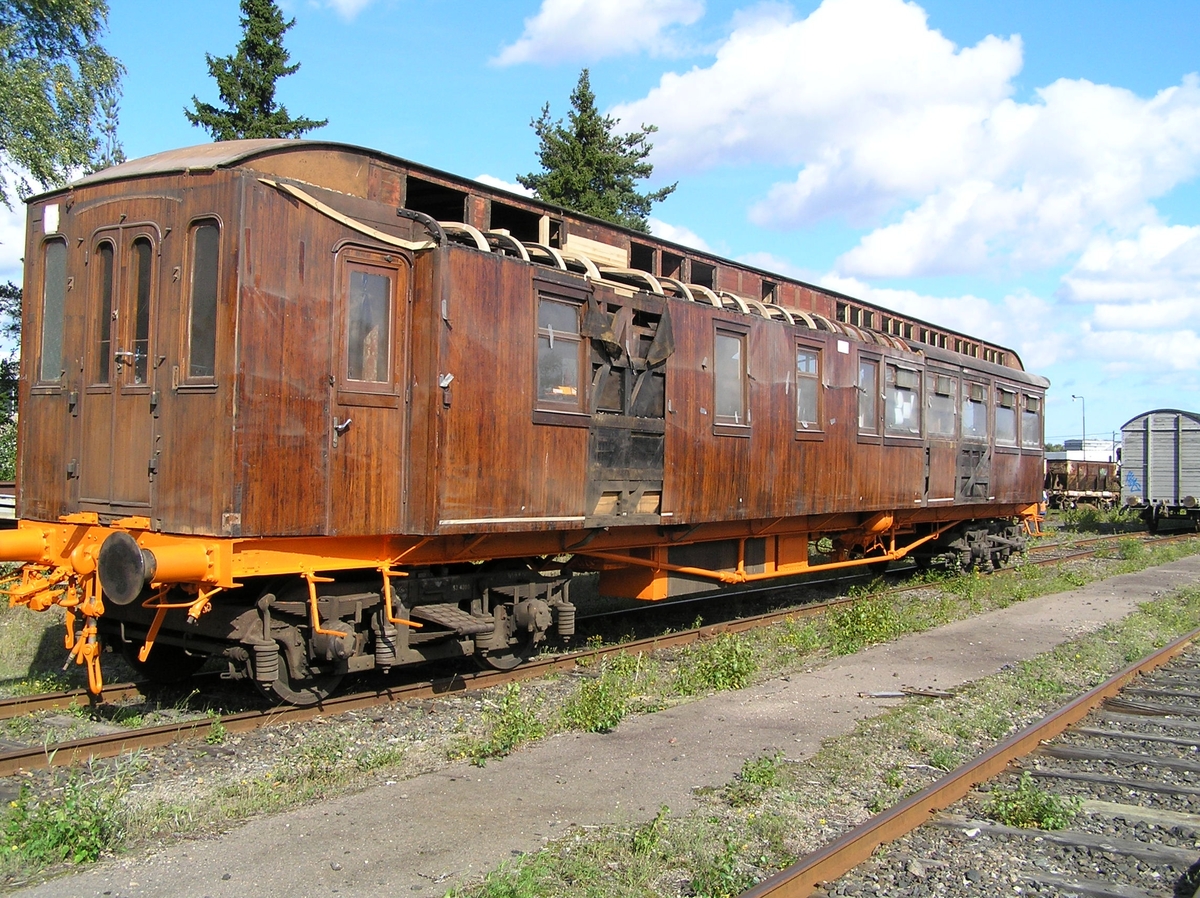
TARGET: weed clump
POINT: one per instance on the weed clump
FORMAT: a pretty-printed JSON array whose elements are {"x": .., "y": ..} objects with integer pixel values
[
  {"x": 726, "y": 662},
  {"x": 77, "y": 823},
  {"x": 512, "y": 723},
  {"x": 1029, "y": 806},
  {"x": 601, "y": 703},
  {"x": 863, "y": 623}
]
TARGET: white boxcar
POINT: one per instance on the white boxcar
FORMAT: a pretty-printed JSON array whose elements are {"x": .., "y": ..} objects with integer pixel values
[{"x": 1160, "y": 464}]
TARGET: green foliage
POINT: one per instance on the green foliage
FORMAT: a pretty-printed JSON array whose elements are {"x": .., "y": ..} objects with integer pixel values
[
  {"x": 1030, "y": 806},
  {"x": 756, "y": 776},
  {"x": 76, "y": 824},
  {"x": 246, "y": 82},
  {"x": 722, "y": 876},
  {"x": 862, "y": 623},
  {"x": 512, "y": 723},
  {"x": 943, "y": 758},
  {"x": 217, "y": 732},
  {"x": 726, "y": 662},
  {"x": 646, "y": 839},
  {"x": 587, "y": 168},
  {"x": 599, "y": 704},
  {"x": 800, "y": 635},
  {"x": 1131, "y": 549},
  {"x": 58, "y": 92}
]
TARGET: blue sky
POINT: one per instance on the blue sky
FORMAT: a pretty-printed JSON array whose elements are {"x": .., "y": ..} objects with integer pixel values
[{"x": 1025, "y": 171}]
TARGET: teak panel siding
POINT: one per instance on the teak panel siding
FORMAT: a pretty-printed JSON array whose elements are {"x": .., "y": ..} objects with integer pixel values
[{"x": 494, "y": 461}]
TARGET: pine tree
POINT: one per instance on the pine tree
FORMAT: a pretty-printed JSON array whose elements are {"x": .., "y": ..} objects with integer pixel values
[
  {"x": 246, "y": 81},
  {"x": 587, "y": 168}
]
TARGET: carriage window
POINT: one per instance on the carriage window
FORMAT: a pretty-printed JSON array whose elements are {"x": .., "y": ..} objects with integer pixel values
[
  {"x": 560, "y": 355},
  {"x": 943, "y": 405},
  {"x": 729, "y": 371},
  {"x": 54, "y": 294},
  {"x": 202, "y": 333},
  {"x": 368, "y": 325},
  {"x": 902, "y": 402},
  {"x": 104, "y": 310},
  {"x": 808, "y": 389},
  {"x": 1031, "y": 423},
  {"x": 974, "y": 412},
  {"x": 143, "y": 254},
  {"x": 1006, "y": 417},
  {"x": 868, "y": 392}
]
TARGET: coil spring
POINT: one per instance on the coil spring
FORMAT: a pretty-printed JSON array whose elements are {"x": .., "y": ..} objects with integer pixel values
[
  {"x": 266, "y": 663},
  {"x": 565, "y": 612}
]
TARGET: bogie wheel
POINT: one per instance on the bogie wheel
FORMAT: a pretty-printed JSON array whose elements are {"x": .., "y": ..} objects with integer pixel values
[
  {"x": 510, "y": 658},
  {"x": 165, "y": 665},
  {"x": 309, "y": 690}
]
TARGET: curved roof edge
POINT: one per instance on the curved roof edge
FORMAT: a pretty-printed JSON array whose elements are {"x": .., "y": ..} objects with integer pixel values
[
  {"x": 202, "y": 157},
  {"x": 1195, "y": 416}
]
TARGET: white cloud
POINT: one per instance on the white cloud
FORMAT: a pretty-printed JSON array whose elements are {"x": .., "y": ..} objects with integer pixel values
[
  {"x": 1156, "y": 269},
  {"x": 348, "y": 9},
  {"x": 1130, "y": 350},
  {"x": 894, "y": 127},
  {"x": 493, "y": 181},
  {"x": 677, "y": 234},
  {"x": 1019, "y": 322},
  {"x": 587, "y": 30}
]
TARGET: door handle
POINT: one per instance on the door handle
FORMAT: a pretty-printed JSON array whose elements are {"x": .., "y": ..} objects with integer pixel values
[
  {"x": 340, "y": 428},
  {"x": 121, "y": 354}
]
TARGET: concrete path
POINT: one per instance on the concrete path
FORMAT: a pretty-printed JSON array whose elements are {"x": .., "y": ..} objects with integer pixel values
[{"x": 424, "y": 835}]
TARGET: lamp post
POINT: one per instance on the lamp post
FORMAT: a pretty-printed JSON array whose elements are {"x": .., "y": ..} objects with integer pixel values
[{"x": 1083, "y": 420}]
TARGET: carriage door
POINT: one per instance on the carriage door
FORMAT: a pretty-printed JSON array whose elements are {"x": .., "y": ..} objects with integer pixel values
[
  {"x": 116, "y": 465},
  {"x": 367, "y": 419}
]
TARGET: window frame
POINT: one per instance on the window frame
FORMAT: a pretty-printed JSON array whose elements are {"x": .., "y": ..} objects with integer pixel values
[
  {"x": 722, "y": 426},
  {"x": 42, "y": 384},
  {"x": 98, "y": 316},
  {"x": 999, "y": 391},
  {"x": 1039, "y": 446},
  {"x": 875, "y": 360},
  {"x": 965, "y": 396},
  {"x": 186, "y": 381},
  {"x": 563, "y": 289},
  {"x": 932, "y": 378},
  {"x": 365, "y": 392},
  {"x": 817, "y": 429},
  {"x": 890, "y": 433}
]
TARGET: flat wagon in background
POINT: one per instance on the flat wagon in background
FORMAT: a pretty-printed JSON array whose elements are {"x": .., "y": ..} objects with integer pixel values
[{"x": 1160, "y": 463}]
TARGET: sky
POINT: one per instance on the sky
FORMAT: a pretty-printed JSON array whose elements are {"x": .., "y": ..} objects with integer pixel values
[{"x": 1024, "y": 171}]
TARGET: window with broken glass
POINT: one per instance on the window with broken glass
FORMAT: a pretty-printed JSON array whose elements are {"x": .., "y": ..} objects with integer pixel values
[
  {"x": 902, "y": 402},
  {"x": 560, "y": 355}
]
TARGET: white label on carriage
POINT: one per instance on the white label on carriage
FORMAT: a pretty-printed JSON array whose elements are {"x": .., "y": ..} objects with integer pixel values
[
  {"x": 843, "y": 346},
  {"x": 50, "y": 219}
]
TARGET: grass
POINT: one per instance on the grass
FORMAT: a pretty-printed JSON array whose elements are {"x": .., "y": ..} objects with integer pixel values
[
  {"x": 772, "y": 811},
  {"x": 776, "y": 809},
  {"x": 1028, "y": 805}
]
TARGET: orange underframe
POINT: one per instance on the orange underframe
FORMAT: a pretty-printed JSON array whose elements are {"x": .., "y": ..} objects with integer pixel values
[{"x": 73, "y": 544}]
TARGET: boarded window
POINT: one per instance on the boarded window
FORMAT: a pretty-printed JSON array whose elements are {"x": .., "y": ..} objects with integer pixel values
[
  {"x": 729, "y": 370},
  {"x": 942, "y": 404},
  {"x": 1031, "y": 423},
  {"x": 1006, "y": 417},
  {"x": 974, "y": 412},
  {"x": 103, "y": 293},
  {"x": 143, "y": 256},
  {"x": 808, "y": 387},
  {"x": 202, "y": 322},
  {"x": 868, "y": 395},
  {"x": 560, "y": 355},
  {"x": 54, "y": 294},
  {"x": 902, "y": 409},
  {"x": 368, "y": 325}
]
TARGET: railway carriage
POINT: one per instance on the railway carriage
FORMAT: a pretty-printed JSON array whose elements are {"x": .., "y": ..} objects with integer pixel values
[{"x": 314, "y": 409}]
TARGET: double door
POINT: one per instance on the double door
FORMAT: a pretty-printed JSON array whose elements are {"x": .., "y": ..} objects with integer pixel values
[{"x": 117, "y": 461}]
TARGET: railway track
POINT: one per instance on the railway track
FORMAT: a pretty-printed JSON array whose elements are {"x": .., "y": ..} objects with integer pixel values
[
  {"x": 120, "y": 740},
  {"x": 1125, "y": 754}
]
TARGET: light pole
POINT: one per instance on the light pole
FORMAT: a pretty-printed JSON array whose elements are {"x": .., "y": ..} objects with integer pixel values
[{"x": 1083, "y": 418}]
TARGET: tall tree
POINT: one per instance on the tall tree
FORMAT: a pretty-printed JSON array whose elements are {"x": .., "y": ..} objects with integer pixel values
[
  {"x": 246, "y": 81},
  {"x": 588, "y": 168},
  {"x": 58, "y": 87}
]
